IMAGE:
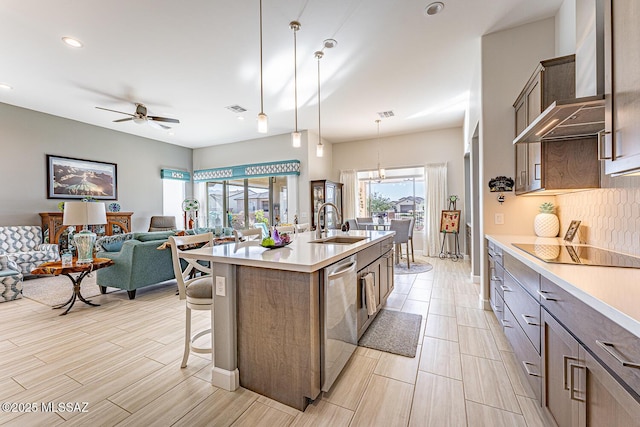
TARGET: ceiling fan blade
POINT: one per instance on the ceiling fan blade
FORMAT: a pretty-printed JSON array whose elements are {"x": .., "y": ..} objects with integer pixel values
[
  {"x": 114, "y": 111},
  {"x": 163, "y": 119},
  {"x": 123, "y": 120},
  {"x": 157, "y": 125}
]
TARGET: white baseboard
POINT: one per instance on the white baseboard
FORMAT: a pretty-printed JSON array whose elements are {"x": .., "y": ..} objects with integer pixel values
[
  {"x": 475, "y": 279},
  {"x": 484, "y": 304},
  {"x": 227, "y": 380}
]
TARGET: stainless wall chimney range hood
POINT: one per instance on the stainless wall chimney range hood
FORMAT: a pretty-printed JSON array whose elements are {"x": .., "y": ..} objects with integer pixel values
[{"x": 566, "y": 119}]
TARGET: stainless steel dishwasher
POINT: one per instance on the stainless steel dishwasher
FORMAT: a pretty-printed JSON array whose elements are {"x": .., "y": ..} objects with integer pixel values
[{"x": 340, "y": 333}]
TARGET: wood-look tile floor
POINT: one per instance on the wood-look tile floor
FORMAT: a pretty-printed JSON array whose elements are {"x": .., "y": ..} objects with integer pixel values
[{"x": 123, "y": 359}]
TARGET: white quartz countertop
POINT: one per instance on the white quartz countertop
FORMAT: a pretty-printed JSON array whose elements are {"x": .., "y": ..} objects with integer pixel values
[
  {"x": 612, "y": 291},
  {"x": 301, "y": 255}
]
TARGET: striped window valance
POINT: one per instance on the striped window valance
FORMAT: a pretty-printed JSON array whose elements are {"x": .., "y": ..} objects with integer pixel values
[{"x": 286, "y": 167}]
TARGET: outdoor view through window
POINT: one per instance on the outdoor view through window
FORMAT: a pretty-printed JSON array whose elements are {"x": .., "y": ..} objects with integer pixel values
[{"x": 399, "y": 195}]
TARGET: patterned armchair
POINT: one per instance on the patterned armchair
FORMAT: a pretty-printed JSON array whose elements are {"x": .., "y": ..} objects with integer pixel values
[
  {"x": 10, "y": 280},
  {"x": 23, "y": 245}
]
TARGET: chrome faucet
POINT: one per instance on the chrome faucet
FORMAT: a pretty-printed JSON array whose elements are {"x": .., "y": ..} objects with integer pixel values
[{"x": 319, "y": 227}]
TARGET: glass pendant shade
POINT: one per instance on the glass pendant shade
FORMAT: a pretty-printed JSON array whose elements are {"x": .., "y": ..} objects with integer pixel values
[
  {"x": 319, "y": 150},
  {"x": 263, "y": 123},
  {"x": 296, "y": 138}
]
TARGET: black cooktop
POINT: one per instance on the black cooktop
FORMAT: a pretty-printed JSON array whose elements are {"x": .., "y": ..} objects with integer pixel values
[{"x": 578, "y": 255}]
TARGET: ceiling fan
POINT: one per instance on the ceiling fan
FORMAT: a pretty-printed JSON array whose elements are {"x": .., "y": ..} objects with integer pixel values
[{"x": 140, "y": 116}]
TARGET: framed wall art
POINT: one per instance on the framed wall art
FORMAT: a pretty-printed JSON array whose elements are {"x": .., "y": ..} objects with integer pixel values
[{"x": 69, "y": 178}]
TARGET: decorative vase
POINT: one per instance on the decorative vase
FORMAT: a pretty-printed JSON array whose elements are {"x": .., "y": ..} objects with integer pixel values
[{"x": 546, "y": 225}]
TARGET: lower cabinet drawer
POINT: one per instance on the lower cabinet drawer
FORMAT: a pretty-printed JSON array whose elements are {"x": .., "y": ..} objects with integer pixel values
[
  {"x": 617, "y": 348},
  {"x": 525, "y": 309},
  {"x": 526, "y": 354}
]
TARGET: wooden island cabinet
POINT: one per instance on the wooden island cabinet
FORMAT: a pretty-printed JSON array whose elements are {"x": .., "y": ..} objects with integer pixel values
[{"x": 117, "y": 223}]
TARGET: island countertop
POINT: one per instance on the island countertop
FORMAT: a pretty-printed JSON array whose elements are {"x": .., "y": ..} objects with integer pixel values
[
  {"x": 612, "y": 291},
  {"x": 301, "y": 255}
]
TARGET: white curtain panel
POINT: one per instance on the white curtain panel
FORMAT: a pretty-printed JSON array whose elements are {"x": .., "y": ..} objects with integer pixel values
[
  {"x": 435, "y": 186},
  {"x": 349, "y": 180}
]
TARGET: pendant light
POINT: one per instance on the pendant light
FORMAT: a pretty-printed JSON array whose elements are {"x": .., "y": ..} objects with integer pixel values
[
  {"x": 319, "y": 148},
  {"x": 263, "y": 124},
  {"x": 381, "y": 171},
  {"x": 295, "y": 135}
]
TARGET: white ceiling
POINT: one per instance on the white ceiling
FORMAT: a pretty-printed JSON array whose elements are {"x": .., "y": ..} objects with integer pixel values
[{"x": 191, "y": 59}]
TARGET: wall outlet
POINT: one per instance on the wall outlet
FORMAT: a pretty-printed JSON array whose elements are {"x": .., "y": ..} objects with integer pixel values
[
  {"x": 221, "y": 288},
  {"x": 498, "y": 219}
]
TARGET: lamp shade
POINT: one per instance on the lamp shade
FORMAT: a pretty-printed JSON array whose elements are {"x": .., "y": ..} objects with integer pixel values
[{"x": 84, "y": 213}]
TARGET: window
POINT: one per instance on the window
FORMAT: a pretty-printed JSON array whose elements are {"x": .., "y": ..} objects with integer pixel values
[
  {"x": 399, "y": 195},
  {"x": 173, "y": 193},
  {"x": 241, "y": 203}
]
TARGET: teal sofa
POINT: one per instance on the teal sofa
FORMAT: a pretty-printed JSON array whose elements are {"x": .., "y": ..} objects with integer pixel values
[{"x": 137, "y": 261}]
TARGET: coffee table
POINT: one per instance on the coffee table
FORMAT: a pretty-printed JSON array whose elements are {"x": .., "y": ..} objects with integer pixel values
[{"x": 56, "y": 268}]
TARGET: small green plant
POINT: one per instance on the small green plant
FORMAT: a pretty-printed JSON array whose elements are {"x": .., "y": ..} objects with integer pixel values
[
  {"x": 547, "y": 207},
  {"x": 261, "y": 218}
]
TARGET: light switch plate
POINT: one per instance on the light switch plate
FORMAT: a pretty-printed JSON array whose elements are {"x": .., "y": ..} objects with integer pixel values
[
  {"x": 499, "y": 218},
  {"x": 221, "y": 289}
]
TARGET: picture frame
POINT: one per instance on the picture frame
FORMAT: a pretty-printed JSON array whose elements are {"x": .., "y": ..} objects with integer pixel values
[
  {"x": 72, "y": 178},
  {"x": 571, "y": 231},
  {"x": 450, "y": 221}
]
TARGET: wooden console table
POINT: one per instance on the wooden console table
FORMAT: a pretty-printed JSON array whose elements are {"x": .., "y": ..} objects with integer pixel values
[{"x": 117, "y": 223}]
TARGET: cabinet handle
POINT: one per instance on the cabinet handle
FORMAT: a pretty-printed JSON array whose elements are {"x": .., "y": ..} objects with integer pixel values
[
  {"x": 564, "y": 370},
  {"x": 528, "y": 322},
  {"x": 526, "y": 368},
  {"x": 536, "y": 170},
  {"x": 505, "y": 288},
  {"x": 601, "y": 155},
  {"x": 572, "y": 392},
  {"x": 504, "y": 323},
  {"x": 610, "y": 348},
  {"x": 544, "y": 297}
]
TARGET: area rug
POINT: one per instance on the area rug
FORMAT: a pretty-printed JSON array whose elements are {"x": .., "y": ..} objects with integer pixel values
[
  {"x": 393, "y": 332},
  {"x": 415, "y": 268},
  {"x": 54, "y": 290}
]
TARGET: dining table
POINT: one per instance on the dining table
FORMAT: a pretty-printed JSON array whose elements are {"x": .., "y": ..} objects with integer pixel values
[{"x": 375, "y": 225}]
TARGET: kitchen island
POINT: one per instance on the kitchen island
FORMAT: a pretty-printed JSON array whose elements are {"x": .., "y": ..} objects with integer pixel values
[{"x": 268, "y": 311}]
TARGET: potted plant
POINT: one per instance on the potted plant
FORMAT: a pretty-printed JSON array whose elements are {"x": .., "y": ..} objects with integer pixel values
[{"x": 546, "y": 223}]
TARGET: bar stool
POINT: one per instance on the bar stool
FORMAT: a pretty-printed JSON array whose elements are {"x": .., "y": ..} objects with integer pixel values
[{"x": 196, "y": 288}]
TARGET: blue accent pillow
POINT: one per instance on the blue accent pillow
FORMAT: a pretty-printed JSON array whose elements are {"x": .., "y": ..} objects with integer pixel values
[{"x": 113, "y": 243}]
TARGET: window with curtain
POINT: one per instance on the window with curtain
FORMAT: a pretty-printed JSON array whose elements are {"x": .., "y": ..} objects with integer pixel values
[{"x": 399, "y": 195}]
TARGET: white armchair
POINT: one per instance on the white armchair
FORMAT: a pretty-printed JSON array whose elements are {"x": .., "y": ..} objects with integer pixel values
[{"x": 23, "y": 244}]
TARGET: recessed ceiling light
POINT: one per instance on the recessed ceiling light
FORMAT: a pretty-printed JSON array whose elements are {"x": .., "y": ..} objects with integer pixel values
[
  {"x": 240, "y": 117},
  {"x": 434, "y": 8},
  {"x": 5, "y": 86},
  {"x": 171, "y": 133},
  {"x": 70, "y": 41}
]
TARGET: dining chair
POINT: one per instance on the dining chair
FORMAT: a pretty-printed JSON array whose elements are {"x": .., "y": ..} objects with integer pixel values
[
  {"x": 248, "y": 234},
  {"x": 413, "y": 223},
  {"x": 401, "y": 227},
  {"x": 289, "y": 229},
  {"x": 361, "y": 221},
  {"x": 195, "y": 284},
  {"x": 353, "y": 224},
  {"x": 301, "y": 228}
]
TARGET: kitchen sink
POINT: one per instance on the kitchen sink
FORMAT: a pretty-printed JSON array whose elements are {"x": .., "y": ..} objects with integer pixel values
[{"x": 339, "y": 240}]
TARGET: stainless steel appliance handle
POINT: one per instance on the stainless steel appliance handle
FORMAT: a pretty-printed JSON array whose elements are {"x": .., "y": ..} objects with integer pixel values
[
  {"x": 611, "y": 349},
  {"x": 343, "y": 271}
]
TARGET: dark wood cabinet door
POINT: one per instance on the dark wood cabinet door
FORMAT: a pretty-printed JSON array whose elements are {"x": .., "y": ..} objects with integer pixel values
[{"x": 560, "y": 351}]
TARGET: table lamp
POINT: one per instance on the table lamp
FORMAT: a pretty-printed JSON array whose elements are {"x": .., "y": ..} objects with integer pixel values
[{"x": 84, "y": 214}]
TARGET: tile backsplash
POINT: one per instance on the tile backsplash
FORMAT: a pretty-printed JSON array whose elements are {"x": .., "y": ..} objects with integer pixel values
[{"x": 610, "y": 216}]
